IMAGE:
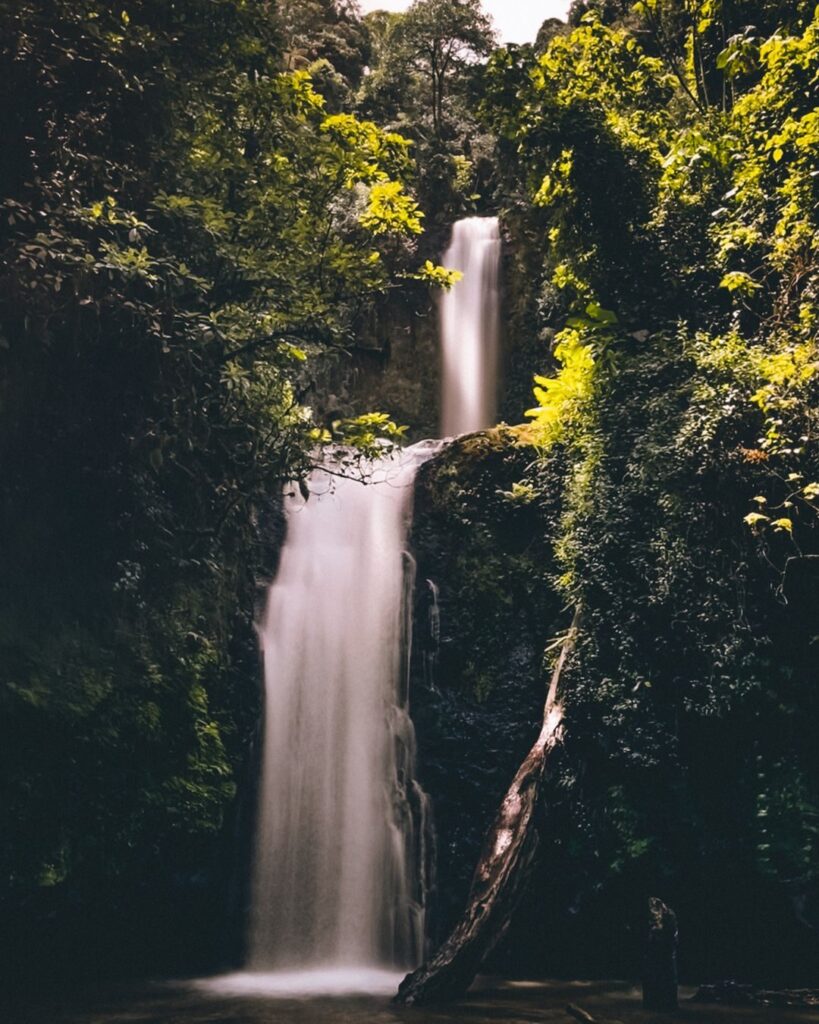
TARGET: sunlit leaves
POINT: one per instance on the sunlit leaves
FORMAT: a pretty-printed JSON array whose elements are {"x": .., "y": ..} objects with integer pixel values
[
  {"x": 391, "y": 210},
  {"x": 557, "y": 182},
  {"x": 436, "y": 276},
  {"x": 564, "y": 399},
  {"x": 371, "y": 434},
  {"x": 740, "y": 282}
]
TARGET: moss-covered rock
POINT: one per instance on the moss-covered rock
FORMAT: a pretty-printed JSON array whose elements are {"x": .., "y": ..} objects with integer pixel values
[{"x": 485, "y": 611}]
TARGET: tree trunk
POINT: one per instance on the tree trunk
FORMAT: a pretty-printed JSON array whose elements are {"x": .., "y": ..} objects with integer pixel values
[
  {"x": 436, "y": 124},
  {"x": 503, "y": 869}
]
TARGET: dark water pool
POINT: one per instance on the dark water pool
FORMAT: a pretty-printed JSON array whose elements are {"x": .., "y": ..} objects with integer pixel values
[{"x": 489, "y": 1003}]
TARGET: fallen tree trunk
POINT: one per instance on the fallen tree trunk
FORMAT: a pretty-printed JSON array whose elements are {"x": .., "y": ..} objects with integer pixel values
[{"x": 503, "y": 869}]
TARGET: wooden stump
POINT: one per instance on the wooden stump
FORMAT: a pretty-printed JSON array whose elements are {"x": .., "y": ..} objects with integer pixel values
[{"x": 660, "y": 959}]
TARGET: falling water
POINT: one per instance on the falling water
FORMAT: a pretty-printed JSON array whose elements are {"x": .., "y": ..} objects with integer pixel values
[
  {"x": 432, "y": 647},
  {"x": 470, "y": 327},
  {"x": 339, "y": 874},
  {"x": 340, "y": 870}
]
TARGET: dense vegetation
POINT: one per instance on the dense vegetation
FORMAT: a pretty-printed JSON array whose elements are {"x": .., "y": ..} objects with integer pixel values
[
  {"x": 671, "y": 154},
  {"x": 185, "y": 224},
  {"x": 203, "y": 203}
]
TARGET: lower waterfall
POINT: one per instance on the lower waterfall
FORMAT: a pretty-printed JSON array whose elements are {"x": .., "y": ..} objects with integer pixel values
[{"x": 339, "y": 875}]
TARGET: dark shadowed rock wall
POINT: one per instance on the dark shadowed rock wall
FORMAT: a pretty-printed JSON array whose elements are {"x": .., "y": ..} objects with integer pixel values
[{"x": 484, "y": 614}]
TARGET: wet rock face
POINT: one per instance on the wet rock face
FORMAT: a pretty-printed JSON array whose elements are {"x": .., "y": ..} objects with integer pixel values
[
  {"x": 484, "y": 615},
  {"x": 527, "y": 339},
  {"x": 393, "y": 366}
]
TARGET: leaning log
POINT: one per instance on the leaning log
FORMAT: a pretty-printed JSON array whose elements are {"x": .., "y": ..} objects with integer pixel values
[{"x": 503, "y": 870}]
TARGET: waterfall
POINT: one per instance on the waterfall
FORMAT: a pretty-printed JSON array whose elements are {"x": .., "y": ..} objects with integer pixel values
[
  {"x": 339, "y": 872},
  {"x": 470, "y": 328},
  {"x": 343, "y": 845}
]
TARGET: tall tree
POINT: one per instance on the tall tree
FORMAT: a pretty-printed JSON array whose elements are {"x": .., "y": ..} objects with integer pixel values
[{"x": 440, "y": 39}]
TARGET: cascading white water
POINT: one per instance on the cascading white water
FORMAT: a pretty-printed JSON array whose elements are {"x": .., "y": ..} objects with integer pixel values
[
  {"x": 470, "y": 328},
  {"x": 338, "y": 877}
]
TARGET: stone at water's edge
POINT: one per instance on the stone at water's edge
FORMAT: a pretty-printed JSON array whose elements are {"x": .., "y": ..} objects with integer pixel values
[{"x": 660, "y": 963}]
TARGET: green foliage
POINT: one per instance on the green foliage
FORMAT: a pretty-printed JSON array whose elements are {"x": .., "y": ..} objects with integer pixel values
[
  {"x": 326, "y": 38},
  {"x": 563, "y": 399},
  {"x": 438, "y": 277},
  {"x": 369, "y": 436},
  {"x": 188, "y": 227},
  {"x": 425, "y": 75},
  {"x": 391, "y": 209},
  {"x": 669, "y": 157}
]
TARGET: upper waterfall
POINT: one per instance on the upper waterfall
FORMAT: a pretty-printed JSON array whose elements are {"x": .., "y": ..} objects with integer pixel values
[{"x": 470, "y": 328}]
